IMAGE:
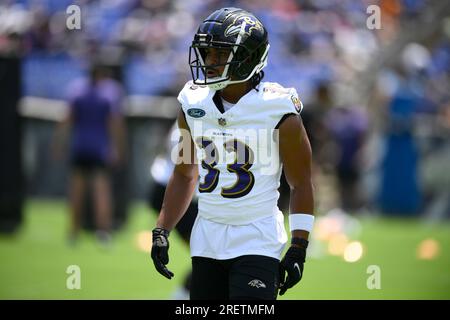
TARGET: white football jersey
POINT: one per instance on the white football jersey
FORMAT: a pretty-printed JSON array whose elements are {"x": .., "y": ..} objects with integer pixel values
[{"x": 239, "y": 167}]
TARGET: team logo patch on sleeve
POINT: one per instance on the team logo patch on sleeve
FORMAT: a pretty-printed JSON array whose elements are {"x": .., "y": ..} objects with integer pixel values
[
  {"x": 196, "y": 112},
  {"x": 297, "y": 103}
]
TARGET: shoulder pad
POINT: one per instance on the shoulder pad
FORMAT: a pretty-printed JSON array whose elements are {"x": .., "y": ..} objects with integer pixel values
[
  {"x": 286, "y": 97},
  {"x": 192, "y": 93}
]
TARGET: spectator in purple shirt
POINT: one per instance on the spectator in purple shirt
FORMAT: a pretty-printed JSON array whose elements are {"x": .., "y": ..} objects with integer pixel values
[
  {"x": 348, "y": 128},
  {"x": 96, "y": 145}
]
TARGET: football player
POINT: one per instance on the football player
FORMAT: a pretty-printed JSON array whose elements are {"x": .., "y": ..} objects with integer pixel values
[{"x": 226, "y": 111}]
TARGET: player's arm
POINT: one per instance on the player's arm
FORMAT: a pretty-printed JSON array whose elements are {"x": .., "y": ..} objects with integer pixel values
[
  {"x": 177, "y": 197},
  {"x": 295, "y": 153},
  {"x": 181, "y": 186}
]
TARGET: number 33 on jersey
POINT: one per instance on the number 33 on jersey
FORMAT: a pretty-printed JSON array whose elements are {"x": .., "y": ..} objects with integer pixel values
[{"x": 238, "y": 150}]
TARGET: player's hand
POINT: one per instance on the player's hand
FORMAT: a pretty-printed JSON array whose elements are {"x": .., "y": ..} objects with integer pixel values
[
  {"x": 292, "y": 264},
  {"x": 160, "y": 251}
]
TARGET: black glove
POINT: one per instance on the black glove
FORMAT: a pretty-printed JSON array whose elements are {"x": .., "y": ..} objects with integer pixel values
[
  {"x": 160, "y": 251},
  {"x": 292, "y": 263}
]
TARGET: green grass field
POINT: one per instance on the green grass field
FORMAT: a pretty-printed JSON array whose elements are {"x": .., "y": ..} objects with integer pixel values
[{"x": 34, "y": 262}]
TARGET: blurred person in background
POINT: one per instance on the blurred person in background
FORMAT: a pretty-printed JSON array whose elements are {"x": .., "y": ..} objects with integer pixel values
[
  {"x": 400, "y": 189},
  {"x": 94, "y": 123},
  {"x": 347, "y": 129},
  {"x": 314, "y": 120},
  {"x": 436, "y": 167}
]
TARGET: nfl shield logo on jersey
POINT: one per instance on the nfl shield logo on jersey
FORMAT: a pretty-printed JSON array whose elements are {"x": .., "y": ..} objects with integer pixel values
[{"x": 222, "y": 122}]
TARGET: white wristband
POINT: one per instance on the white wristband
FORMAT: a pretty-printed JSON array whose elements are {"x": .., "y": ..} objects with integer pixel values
[{"x": 300, "y": 221}]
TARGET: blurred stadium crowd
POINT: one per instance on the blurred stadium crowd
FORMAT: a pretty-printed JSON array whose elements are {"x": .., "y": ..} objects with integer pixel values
[{"x": 377, "y": 102}]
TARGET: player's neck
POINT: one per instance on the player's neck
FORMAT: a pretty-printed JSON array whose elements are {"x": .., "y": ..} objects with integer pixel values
[{"x": 234, "y": 92}]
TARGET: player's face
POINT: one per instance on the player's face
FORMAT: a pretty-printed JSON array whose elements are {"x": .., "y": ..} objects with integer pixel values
[{"x": 214, "y": 57}]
